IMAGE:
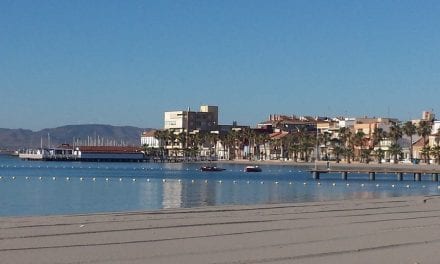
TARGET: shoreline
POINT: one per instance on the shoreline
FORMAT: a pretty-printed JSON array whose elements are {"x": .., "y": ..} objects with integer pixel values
[{"x": 392, "y": 230}]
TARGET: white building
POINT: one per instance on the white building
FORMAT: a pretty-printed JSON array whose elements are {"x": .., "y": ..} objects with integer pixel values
[
  {"x": 148, "y": 139},
  {"x": 204, "y": 120}
]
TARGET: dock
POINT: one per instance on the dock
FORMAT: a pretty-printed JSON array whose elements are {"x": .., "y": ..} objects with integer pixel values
[{"x": 399, "y": 174}]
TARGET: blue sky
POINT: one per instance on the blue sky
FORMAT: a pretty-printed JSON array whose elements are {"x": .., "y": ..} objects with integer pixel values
[{"x": 126, "y": 62}]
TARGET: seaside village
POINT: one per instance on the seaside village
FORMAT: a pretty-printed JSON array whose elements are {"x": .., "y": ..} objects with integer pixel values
[{"x": 197, "y": 136}]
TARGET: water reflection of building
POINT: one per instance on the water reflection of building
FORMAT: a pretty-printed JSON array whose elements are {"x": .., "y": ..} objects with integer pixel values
[{"x": 172, "y": 194}]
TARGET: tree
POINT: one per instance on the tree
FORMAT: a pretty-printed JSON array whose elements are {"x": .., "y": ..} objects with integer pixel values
[
  {"x": 395, "y": 132},
  {"x": 359, "y": 140},
  {"x": 410, "y": 130},
  {"x": 380, "y": 154},
  {"x": 365, "y": 155},
  {"x": 345, "y": 136},
  {"x": 424, "y": 130},
  {"x": 324, "y": 139},
  {"x": 395, "y": 150},
  {"x": 378, "y": 135},
  {"x": 337, "y": 149},
  {"x": 435, "y": 152}
]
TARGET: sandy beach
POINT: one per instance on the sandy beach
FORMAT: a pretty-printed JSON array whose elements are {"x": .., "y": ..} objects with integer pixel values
[{"x": 389, "y": 230}]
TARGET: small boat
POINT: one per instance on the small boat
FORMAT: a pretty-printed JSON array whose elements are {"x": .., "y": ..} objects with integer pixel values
[
  {"x": 211, "y": 168},
  {"x": 252, "y": 169}
]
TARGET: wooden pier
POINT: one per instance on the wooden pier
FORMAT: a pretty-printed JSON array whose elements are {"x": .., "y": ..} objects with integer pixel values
[{"x": 417, "y": 175}]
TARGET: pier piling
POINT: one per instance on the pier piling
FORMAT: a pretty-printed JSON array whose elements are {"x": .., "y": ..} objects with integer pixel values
[
  {"x": 315, "y": 175},
  {"x": 344, "y": 175},
  {"x": 417, "y": 176},
  {"x": 435, "y": 177},
  {"x": 372, "y": 175},
  {"x": 400, "y": 176}
]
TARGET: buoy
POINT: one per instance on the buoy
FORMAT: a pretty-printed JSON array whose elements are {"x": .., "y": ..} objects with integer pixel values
[
  {"x": 248, "y": 182},
  {"x": 13, "y": 177},
  {"x": 179, "y": 180},
  {"x": 192, "y": 181},
  {"x": 148, "y": 180},
  {"x": 120, "y": 179},
  {"x": 40, "y": 178},
  {"x": 348, "y": 184},
  {"x": 305, "y": 183},
  {"x": 334, "y": 184},
  {"x": 163, "y": 180},
  {"x": 53, "y": 178},
  {"x": 262, "y": 182},
  {"x": 93, "y": 179},
  {"x": 276, "y": 182},
  {"x": 219, "y": 181},
  {"x": 290, "y": 183},
  {"x": 319, "y": 183},
  {"x": 134, "y": 180},
  {"x": 392, "y": 185},
  {"x": 106, "y": 179},
  {"x": 27, "y": 178},
  {"x": 407, "y": 186},
  {"x": 362, "y": 185},
  {"x": 234, "y": 182},
  {"x": 377, "y": 185},
  {"x": 81, "y": 179},
  {"x": 206, "y": 181}
]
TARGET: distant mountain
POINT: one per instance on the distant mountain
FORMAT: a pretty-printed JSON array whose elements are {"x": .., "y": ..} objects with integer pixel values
[{"x": 24, "y": 138}]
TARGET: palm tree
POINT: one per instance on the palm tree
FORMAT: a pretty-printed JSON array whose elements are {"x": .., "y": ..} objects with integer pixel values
[
  {"x": 395, "y": 132},
  {"x": 410, "y": 130},
  {"x": 345, "y": 136},
  {"x": 378, "y": 135},
  {"x": 424, "y": 130},
  {"x": 380, "y": 154},
  {"x": 425, "y": 153},
  {"x": 395, "y": 150},
  {"x": 365, "y": 155},
  {"x": 307, "y": 144},
  {"x": 324, "y": 139},
  {"x": 435, "y": 152},
  {"x": 336, "y": 148},
  {"x": 358, "y": 140}
]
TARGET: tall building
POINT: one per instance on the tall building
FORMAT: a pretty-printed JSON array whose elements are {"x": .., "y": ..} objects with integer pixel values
[{"x": 204, "y": 120}]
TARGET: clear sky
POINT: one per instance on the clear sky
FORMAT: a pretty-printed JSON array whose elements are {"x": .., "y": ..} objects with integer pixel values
[{"x": 126, "y": 62}]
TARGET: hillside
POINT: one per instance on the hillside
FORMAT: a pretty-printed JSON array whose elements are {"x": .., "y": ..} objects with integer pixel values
[{"x": 24, "y": 138}]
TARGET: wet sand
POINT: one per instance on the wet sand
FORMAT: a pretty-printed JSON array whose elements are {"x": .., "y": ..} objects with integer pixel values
[{"x": 389, "y": 230}]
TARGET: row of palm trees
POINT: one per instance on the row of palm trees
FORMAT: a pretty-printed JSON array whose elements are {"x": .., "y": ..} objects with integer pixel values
[{"x": 300, "y": 145}]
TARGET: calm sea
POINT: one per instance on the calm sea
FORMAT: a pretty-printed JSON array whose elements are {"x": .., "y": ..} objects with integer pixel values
[{"x": 52, "y": 188}]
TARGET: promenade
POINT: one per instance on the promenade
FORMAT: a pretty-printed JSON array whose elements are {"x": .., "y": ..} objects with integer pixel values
[{"x": 391, "y": 230}]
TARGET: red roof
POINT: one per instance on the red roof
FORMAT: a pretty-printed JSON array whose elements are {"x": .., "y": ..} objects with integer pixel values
[
  {"x": 278, "y": 135},
  {"x": 109, "y": 149}
]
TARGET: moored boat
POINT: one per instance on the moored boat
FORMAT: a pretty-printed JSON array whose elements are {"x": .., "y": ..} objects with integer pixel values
[
  {"x": 211, "y": 168},
  {"x": 252, "y": 169}
]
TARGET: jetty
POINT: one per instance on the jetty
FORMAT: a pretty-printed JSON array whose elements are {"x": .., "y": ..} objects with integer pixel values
[{"x": 399, "y": 171}]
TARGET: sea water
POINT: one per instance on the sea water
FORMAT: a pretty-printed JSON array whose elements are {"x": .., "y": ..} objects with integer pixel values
[{"x": 54, "y": 188}]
